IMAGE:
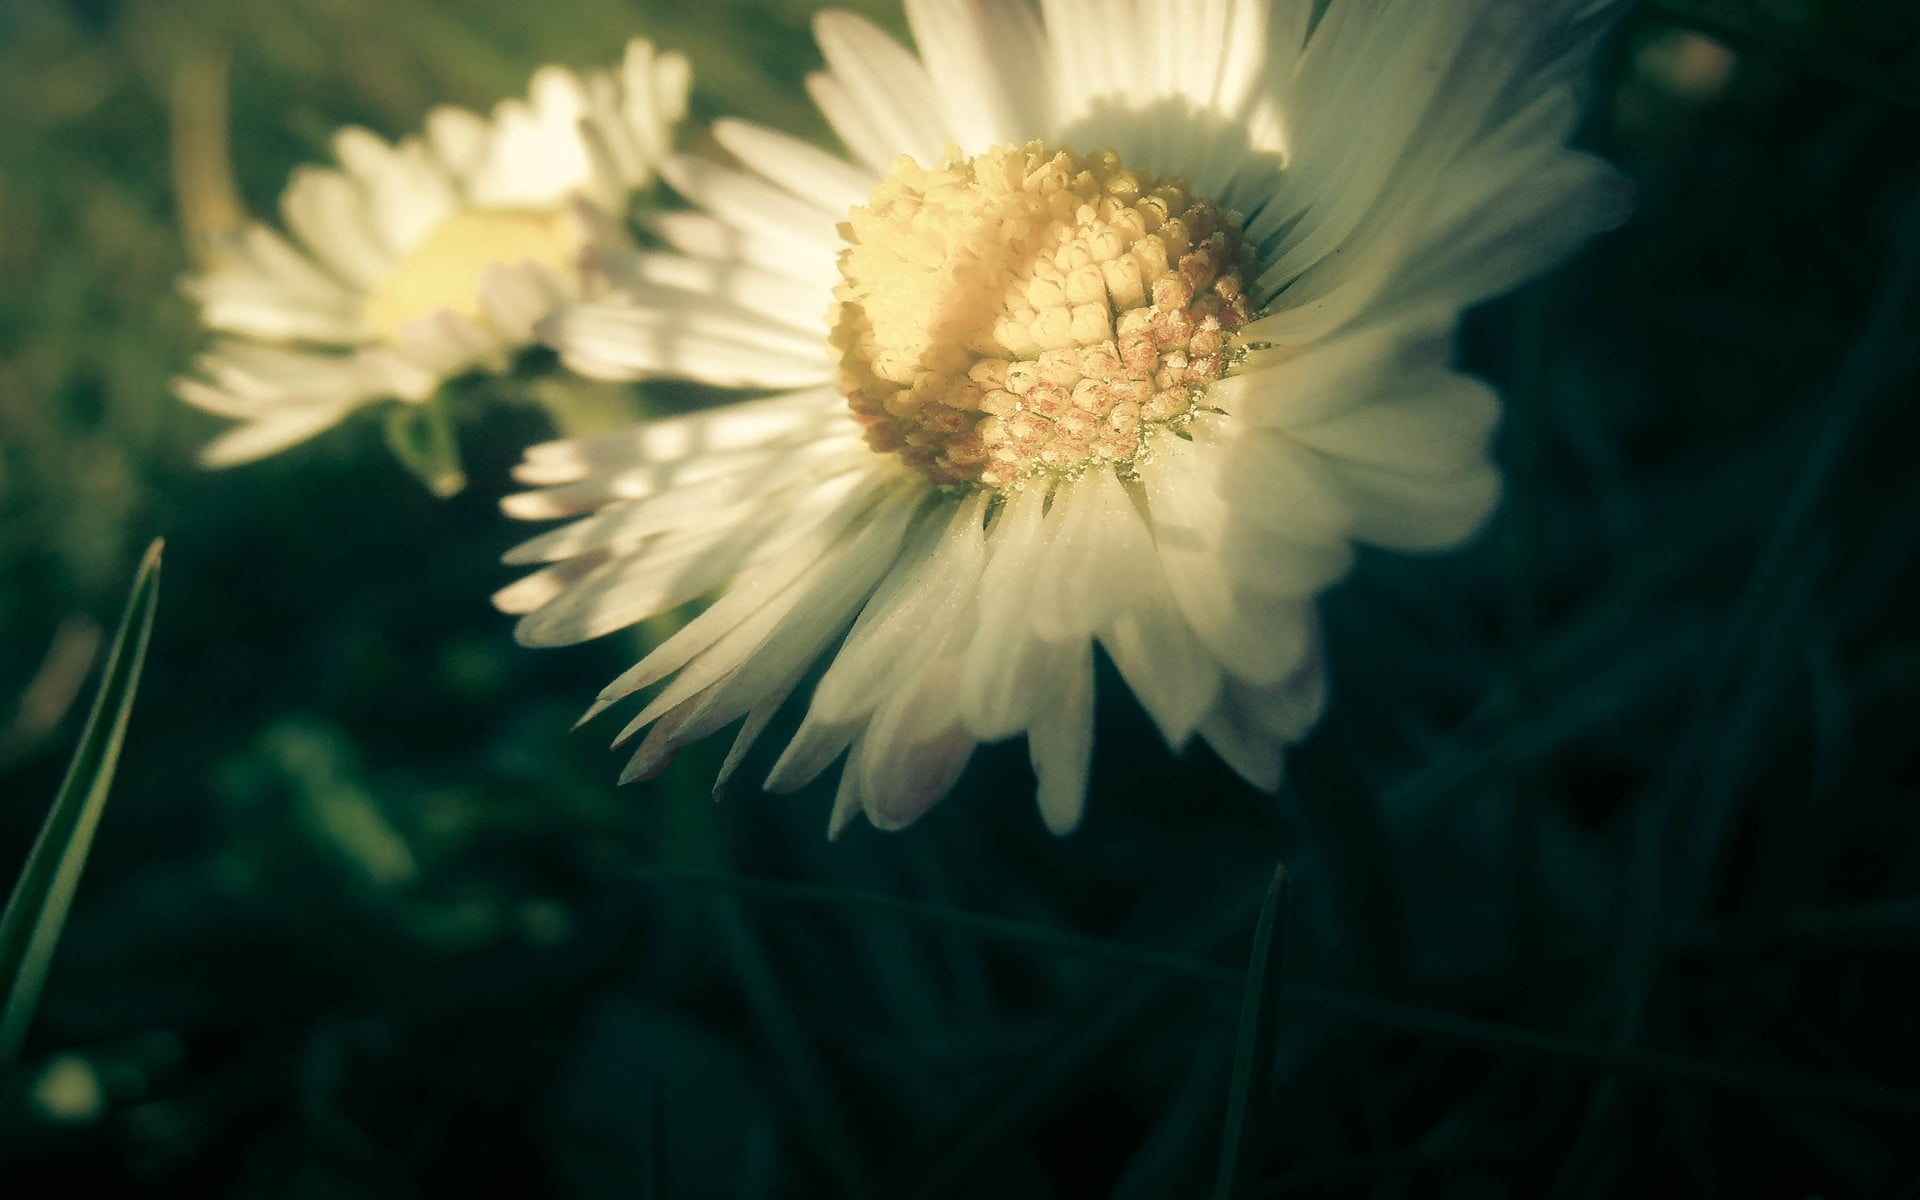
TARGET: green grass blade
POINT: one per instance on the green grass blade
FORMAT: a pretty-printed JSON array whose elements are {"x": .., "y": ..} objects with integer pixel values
[
  {"x": 37, "y": 910},
  {"x": 1240, "y": 1157}
]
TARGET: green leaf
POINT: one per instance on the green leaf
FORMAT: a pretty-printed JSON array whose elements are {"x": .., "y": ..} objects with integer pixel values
[
  {"x": 1240, "y": 1157},
  {"x": 421, "y": 437},
  {"x": 37, "y": 910}
]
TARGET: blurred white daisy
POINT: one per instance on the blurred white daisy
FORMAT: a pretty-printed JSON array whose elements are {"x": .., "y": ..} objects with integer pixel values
[
  {"x": 1118, "y": 325},
  {"x": 418, "y": 260}
]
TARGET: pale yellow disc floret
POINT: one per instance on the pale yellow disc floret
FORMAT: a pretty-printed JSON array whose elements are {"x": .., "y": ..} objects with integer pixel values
[
  {"x": 1029, "y": 312},
  {"x": 443, "y": 271}
]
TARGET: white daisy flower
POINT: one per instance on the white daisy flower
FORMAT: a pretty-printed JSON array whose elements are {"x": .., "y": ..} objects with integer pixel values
[
  {"x": 418, "y": 260},
  {"x": 1118, "y": 325}
]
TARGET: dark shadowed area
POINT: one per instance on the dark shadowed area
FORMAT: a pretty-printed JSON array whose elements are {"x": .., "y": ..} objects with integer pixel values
[{"x": 1604, "y": 867}]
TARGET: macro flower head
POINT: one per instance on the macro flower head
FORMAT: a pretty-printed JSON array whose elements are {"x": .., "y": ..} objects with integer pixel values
[
  {"x": 1117, "y": 325},
  {"x": 412, "y": 262}
]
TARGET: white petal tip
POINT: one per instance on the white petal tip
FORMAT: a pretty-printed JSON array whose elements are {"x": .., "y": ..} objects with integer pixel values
[
  {"x": 837, "y": 824},
  {"x": 1062, "y": 828},
  {"x": 649, "y": 764}
]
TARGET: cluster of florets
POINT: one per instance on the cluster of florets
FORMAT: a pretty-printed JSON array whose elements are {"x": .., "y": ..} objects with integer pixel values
[{"x": 1029, "y": 312}]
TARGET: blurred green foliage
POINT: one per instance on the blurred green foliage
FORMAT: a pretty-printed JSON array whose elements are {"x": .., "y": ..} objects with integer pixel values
[{"x": 1605, "y": 865}]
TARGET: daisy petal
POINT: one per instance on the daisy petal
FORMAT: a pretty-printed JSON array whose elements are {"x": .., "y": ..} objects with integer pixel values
[
  {"x": 810, "y": 175},
  {"x": 708, "y": 343},
  {"x": 257, "y": 439},
  {"x": 743, "y": 202},
  {"x": 881, "y": 80},
  {"x": 1432, "y": 423},
  {"x": 725, "y": 430},
  {"x": 1060, "y": 743},
  {"x": 1417, "y": 512},
  {"x": 986, "y": 63}
]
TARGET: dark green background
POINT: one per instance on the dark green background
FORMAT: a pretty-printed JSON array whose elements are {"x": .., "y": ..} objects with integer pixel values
[{"x": 1630, "y": 784}]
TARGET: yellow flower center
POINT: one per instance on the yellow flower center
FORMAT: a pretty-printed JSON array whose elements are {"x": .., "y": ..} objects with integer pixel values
[
  {"x": 1029, "y": 312},
  {"x": 443, "y": 271}
]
